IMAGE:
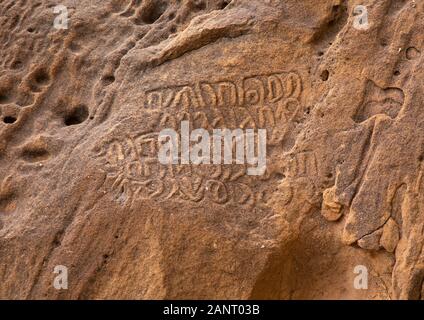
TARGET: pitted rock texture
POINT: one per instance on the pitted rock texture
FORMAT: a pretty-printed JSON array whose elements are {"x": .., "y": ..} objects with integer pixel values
[{"x": 81, "y": 185}]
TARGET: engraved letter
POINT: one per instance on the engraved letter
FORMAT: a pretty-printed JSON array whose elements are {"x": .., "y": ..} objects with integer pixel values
[
  {"x": 254, "y": 91},
  {"x": 229, "y": 90},
  {"x": 275, "y": 89}
]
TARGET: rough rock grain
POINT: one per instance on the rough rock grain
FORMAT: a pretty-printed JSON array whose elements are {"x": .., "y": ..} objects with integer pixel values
[{"x": 81, "y": 187}]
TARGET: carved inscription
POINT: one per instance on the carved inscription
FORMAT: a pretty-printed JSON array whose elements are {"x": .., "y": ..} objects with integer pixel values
[
  {"x": 133, "y": 170},
  {"x": 268, "y": 102}
]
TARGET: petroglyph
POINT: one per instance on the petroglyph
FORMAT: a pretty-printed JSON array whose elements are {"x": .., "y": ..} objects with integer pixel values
[
  {"x": 385, "y": 101},
  {"x": 265, "y": 101}
]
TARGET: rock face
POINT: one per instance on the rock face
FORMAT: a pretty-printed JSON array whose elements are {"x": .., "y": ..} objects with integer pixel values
[{"x": 338, "y": 86}]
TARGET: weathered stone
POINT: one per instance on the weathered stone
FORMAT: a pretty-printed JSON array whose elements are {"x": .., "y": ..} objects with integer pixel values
[
  {"x": 331, "y": 209},
  {"x": 336, "y": 84},
  {"x": 371, "y": 241},
  {"x": 390, "y": 237}
]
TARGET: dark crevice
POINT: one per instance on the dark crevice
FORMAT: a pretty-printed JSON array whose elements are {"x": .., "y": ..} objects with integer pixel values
[
  {"x": 41, "y": 77},
  {"x": 325, "y": 75},
  {"x": 35, "y": 154},
  {"x": 107, "y": 80},
  {"x": 224, "y": 4},
  {"x": 152, "y": 11},
  {"x": 17, "y": 64},
  {"x": 77, "y": 115},
  {"x": 9, "y": 119}
]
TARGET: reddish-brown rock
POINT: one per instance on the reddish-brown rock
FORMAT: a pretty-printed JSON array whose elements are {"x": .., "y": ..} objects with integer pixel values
[{"x": 81, "y": 185}]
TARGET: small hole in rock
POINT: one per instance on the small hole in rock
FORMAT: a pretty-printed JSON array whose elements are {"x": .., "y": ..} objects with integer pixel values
[
  {"x": 9, "y": 119},
  {"x": 77, "y": 116},
  {"x": 224, "y": 4},
  {"x": 280, "y": 176},
  {"x": 74, "y": 47},
  {"x": 41, "y": 77},
  {"x": 396, "y": 73},
  {"x": 325, "y": 75},
  {"x": 200, "y": 5},
  {"x": 152, "y": 12},
  {"x": 107, "y": 80},
  {"x": 35, "y": 154},
  {"x": 30, "y": 30},
  {"x": 17, "y": 64},
  {"x": 412, "y": 53}
]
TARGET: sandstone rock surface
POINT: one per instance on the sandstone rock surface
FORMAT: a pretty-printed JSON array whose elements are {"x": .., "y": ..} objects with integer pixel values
[{"x": 81, "y": 187}]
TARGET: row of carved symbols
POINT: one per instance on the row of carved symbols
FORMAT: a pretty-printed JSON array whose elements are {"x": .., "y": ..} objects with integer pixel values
[
  {"x": 301, "y": 164},
  {"x": 252, "y": 117},
  {"x": 190, "y": 189},
  {"x": 249, "y": 91}
]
